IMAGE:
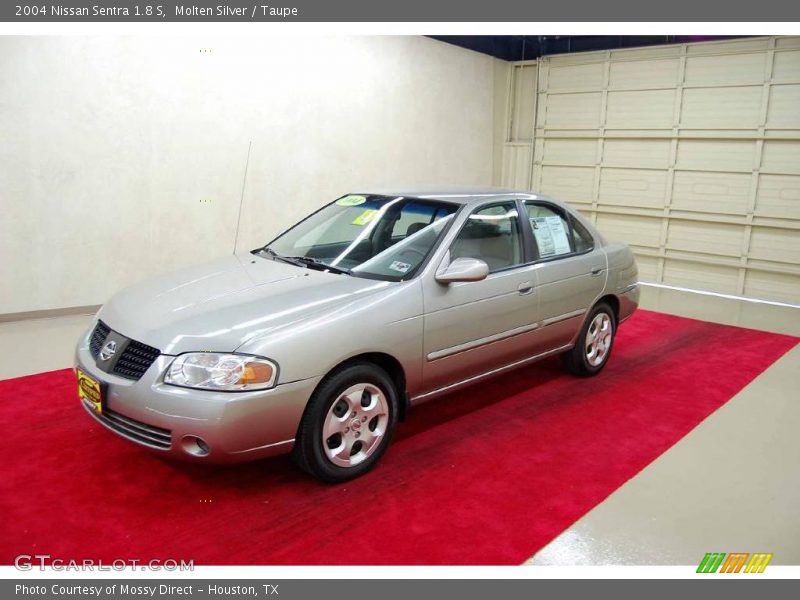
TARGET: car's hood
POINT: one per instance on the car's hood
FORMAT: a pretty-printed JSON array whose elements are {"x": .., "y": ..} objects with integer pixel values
[{"x": 220, "y": 305}]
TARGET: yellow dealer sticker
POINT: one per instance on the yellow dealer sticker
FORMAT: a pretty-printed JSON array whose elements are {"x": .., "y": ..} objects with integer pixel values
[
  {"x": 365, "y": 217},
  {"x": 351, "y": 200}
]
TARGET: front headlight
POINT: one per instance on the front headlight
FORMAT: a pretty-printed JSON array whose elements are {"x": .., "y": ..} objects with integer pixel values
[{"x": 222, "y": 372}]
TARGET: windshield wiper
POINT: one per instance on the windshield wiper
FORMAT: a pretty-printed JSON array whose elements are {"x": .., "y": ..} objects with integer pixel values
[
  {"x": 303, "y": 261},
  {"x": 275, "y": 256},
  {"x": 313, "y": 263},
  {"x": 266, "y": 250}
]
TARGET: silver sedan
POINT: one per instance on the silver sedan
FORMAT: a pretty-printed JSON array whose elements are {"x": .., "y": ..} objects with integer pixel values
[{"x": 320, "y": 341}]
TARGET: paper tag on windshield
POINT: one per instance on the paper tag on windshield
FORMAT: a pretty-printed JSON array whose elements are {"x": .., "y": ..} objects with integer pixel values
[
  {"x": 551, "y": 236},
  {"x": 400, "y": 267},
  {"x": 351, "y": 200},
  {"x": 365, "y": 217}
]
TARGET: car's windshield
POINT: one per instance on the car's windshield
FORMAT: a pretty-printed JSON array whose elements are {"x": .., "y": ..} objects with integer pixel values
[{"x": 384, "y": 237}]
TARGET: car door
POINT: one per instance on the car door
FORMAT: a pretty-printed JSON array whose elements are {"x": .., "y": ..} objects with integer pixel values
[
  {"x": 473, "y": 327},
  {"x": 571, "y": 273}
]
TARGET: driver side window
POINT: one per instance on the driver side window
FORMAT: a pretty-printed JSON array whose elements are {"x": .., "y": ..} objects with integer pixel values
[{"x": 491, "y": 234}]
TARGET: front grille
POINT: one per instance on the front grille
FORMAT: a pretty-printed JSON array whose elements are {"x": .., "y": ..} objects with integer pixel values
[
  {"x": 149, "y": 435},
  {"x": 135, "y": 359},
  {"x": 98, "y": 337}
]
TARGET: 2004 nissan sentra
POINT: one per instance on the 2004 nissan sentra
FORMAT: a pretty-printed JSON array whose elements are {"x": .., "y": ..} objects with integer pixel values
[{"x": 320, "y": 341}]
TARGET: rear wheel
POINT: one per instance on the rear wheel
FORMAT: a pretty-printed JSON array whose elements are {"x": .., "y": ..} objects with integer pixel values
[
  {"x": 594, "y": 344},
  {"x": 347, "y": 424}
]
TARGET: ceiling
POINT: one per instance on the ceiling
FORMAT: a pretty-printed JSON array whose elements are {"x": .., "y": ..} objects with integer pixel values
[{"x": 528, "y": 47}]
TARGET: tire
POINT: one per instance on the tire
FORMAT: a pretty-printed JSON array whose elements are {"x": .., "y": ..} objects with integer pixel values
[
  {"x": 592, "y": 351},
  {"x": 336, "y": 445}
]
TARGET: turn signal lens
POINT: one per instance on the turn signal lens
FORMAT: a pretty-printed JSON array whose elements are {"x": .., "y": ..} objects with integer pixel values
[
  {"x": 221, "y": 372},
  {"x": 256, "y": 372}
]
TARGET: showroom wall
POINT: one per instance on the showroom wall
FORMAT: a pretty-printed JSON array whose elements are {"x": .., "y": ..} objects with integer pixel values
[
  {"x": 690, "y": 153},
  {"x": 121, "y": 157}
]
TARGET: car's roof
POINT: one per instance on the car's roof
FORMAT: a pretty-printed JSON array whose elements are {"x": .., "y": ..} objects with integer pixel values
[{"x": 459, "y": 194}]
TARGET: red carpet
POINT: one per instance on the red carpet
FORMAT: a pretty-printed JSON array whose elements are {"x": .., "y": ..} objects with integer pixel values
[{"x": 484, "y": 476}]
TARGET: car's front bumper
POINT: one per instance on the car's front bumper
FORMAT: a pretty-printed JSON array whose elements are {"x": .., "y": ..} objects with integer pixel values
[{"x": 235, "y": 426}]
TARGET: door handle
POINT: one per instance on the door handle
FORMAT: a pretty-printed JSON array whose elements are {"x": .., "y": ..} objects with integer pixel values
[
  {"x": 526, "y": 287},
  {"x": 596, "y": 271}
]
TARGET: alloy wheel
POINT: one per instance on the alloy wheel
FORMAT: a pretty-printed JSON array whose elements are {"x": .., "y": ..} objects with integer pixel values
[
  {"x": 355, "y": 425},
  {"x": 598, "y": 339}
]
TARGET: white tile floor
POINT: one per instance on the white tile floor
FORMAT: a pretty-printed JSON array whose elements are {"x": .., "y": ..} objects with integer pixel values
[{"x": 732, "y": 484}]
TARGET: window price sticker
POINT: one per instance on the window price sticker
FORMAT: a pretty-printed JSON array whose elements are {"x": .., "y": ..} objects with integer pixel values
[{"x": 551, "y": 236}]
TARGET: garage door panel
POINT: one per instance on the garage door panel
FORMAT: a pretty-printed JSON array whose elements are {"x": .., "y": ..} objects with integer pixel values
[
  {"x": 778, "y": 196},
  {"x": 572, "y": 184},
  {"x": 777, "y": 286},
  {"x": 723, "y": 193},
  {"x": 728, "y": 47},
  {"x": 734, "y": 107},
  {"x": 640, "y": 109},
  {"x": 701, "y": 276},
  {"x": 633, "y": 187},
  {"x": 781, "y": 157},
  {"x": 688, "y": 152},
  {"x": 575, "y": 77},
  {"x": 635, "y": 230},
  {"x": 783, "y": 110},
  {"x": 707, "y": 238},
  {"x": 646, "y": 154},
  {"x": 569, "y": 152},
  {"x": 573, "y": 111},
  {"x": 725, "y": 69},
  {"x": 650, "y": 53},
  {"x": 715, "y": 155},
  {"x": 643, "y": 74},
  {"x": 648, "y": 267},
  {"x": 787, "y": 42},
  {"x": 779, "y": 245},
  {"x": 786, "y": 66}
]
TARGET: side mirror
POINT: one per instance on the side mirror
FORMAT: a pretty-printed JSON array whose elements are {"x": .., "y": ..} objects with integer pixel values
[{"x": 463, "y": 269}]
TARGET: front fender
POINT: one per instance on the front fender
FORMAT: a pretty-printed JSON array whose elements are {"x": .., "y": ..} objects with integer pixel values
[{"x": 389, "y": 321}]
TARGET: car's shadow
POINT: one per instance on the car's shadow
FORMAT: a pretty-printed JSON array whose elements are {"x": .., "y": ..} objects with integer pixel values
[
  {"x": 478, "y": 396},
  {"x": 280, "y": 470}
]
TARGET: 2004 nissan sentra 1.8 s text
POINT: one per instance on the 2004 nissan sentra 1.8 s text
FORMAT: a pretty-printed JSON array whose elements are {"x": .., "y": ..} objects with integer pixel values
[{"x": 320, "y": 341}]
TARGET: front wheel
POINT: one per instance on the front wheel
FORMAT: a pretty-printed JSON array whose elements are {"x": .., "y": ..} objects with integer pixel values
[
  {"x": 348, "y": 423},
  {"x": 594, "y": 344}
]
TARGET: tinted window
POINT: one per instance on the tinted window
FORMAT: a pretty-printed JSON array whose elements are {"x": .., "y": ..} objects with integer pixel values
[
  {"x": 550, "y": 230},
  {"x": 492, "y": 235},
  {"x": 369, "y": 235},
  {"x": 414, "y": 217},
  {"x": 402, "y": 259},
  {"x": 581, "y": 236}
]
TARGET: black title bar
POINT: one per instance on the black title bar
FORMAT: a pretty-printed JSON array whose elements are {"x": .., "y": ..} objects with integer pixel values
[{"x": 401, "y": 10}]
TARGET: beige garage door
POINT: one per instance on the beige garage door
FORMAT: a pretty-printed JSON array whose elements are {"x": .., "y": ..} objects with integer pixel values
[{"x": 690, "y": 153}]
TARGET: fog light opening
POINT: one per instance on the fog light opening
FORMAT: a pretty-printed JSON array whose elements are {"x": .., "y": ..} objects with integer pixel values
[{"x": 195, "y": 446}]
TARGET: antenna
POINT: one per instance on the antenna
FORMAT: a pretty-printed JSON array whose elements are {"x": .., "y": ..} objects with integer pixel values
[{"x": 241, "y": 199}]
